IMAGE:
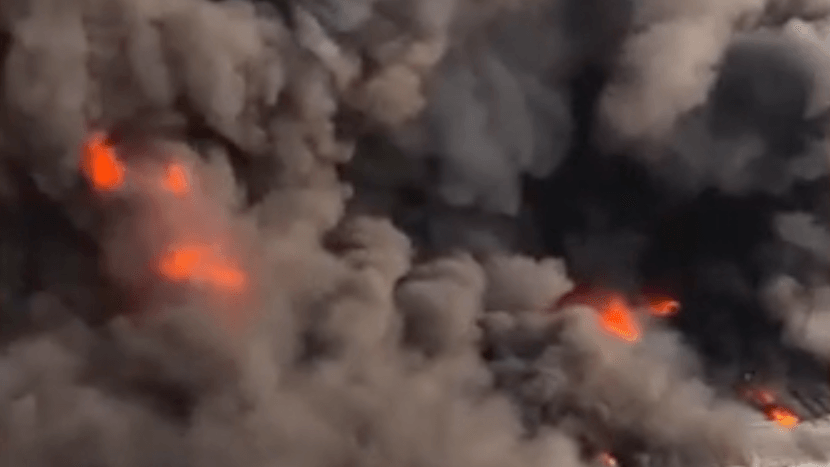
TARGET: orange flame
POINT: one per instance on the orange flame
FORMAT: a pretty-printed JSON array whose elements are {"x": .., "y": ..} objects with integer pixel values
[
  {"x": 607, "y": 460},
  {"x": 782, "y": 416},
  {"x": 615, "y": 314},
  {"x": 201, "y": 263},
  {"x": 768, "y": 402},
  {"x": 617, "y": 319},
  {"x": 662, "y": 306},
  {"x": 761, "y": 396},
  {"x": 176, "y": 179},
  {"x": 198, "y": 262},
  {"x": 101, "y": 165},
  {"x": 179, "y": 265}
]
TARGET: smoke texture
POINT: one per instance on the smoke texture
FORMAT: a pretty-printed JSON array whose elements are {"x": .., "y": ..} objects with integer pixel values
[{"x": 392, "y": 232}]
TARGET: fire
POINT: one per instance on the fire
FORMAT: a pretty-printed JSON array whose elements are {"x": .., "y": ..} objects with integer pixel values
[
  {"x": 101, "y": 165},
  {"x": 662, "y": 306},
  {"x": 616, "y": 313},
  {"x": 617, "y": 319},
  {"x": 201, "y": 264},
  {"x": 607, "y": 460},
  {"x": 176, "y": 180},
  {"x": 761, "y": 396},
  {"x": 199, "y": 260},
  {"x": 782, "y": 416},
  {"x": 181, "y": 264},
  {"x": 767, "y": 401}
]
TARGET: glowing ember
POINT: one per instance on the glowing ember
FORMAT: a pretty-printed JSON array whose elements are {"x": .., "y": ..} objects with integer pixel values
[
  {"x": 200, "y": 263},
  {"x": 662, "y": 306},
  {"x": 617, "y": 319},
  {"x": 761, "y": 396},
  {"x": 596, "y": 298},
  {"x": 101, "y": 165},
  {"x": 180, "y": 265},
  {"x": 767, "y": 401},
  {"x": 782, "y": 416},
  {"x": 176, "y": 180},
  {"x": 607, "y": 459},
  {"x": 226, "y": 276},
  {"x": 616, "y": 316}
]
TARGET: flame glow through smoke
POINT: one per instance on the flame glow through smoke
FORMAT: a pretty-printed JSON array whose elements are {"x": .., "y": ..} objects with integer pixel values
[
  {"x": 617, "y": 315},
  {"x": 616, "y": 318},
  {"x": 349, "y": 231},
  {"x": 768, "y": 402},
  {"x": 607, "y": 460},
  {"x": 202, "y": 263},
  {"x": 783, "y": 416},
  {"x": 176, "y": 179},
  {"x": 101, "y": 164},
  {"x": 662, "y": 306}
]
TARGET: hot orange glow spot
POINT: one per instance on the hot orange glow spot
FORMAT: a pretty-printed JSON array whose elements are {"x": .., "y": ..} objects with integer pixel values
[
  {"x": 180, "y": 265},
  {"x": 768, "y": 402},
  {"x": 760, "y": 396},
  {"x": 201, "y": 263},
  {"x": 662, "y": 306},
  {"x": 607, "y": 460},
  {"x": 226, "y": 276},
  {"x": 176, "y": 180},
  {"x": 782, "y": 416},
  {"x": 617, "y": 319},
  {"x": 101, "y": 165}
]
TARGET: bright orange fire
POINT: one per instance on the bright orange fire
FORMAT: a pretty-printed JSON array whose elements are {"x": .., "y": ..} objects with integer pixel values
[
  {"x": 617, "y": 319},
  {"x": 615, "y": 313},
  {"x": 782, "y": 416},
  {"x": 768, "y": 403},
  {"x": 101, "y": 165},
  {"x": 176, "y": 180},
  {"x": 607, "y": 460},
  {"x": 662, "y": 306},
  {"x": 201, "y": 263}
]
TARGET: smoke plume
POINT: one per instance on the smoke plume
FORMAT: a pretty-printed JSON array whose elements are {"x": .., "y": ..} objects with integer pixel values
[{"x": 410, "y": 232}]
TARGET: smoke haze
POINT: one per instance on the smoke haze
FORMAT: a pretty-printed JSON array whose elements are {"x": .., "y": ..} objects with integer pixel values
[{"x": 340, "y": 233}]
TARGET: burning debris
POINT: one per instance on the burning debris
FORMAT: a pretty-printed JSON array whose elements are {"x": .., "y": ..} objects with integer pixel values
[
  {"x": 607, "y": 460},
  {"x": 662, "y": 306},
  {"x": 783, "y": 417},
  {"x": 616, "y": 313},
  {"x": 316, "y": 233},
  {"x": 766, "y": 401},
  {"x": 101, "y": 165}
]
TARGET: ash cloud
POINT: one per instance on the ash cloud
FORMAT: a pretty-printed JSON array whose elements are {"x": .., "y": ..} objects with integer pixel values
[{"x": 377, "y": 330}]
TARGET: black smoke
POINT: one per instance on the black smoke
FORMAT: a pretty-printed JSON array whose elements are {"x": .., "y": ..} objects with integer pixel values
[
  {"x": 409, "y": 186},
  {"x": 622, "y": 225}
]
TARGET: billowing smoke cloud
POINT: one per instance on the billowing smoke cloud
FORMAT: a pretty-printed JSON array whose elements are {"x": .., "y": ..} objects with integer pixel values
[{"x": 308, "y": 244}]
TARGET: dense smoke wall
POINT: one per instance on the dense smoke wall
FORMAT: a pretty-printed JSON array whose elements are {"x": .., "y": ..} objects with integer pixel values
[{"x": 392, "y": 197}]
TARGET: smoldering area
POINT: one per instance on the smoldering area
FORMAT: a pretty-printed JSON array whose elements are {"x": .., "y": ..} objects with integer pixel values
[{"x": 388, "y": 208}]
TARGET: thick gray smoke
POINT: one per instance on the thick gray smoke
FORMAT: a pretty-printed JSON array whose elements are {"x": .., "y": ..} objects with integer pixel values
[{"x": 343, "y": 344}]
